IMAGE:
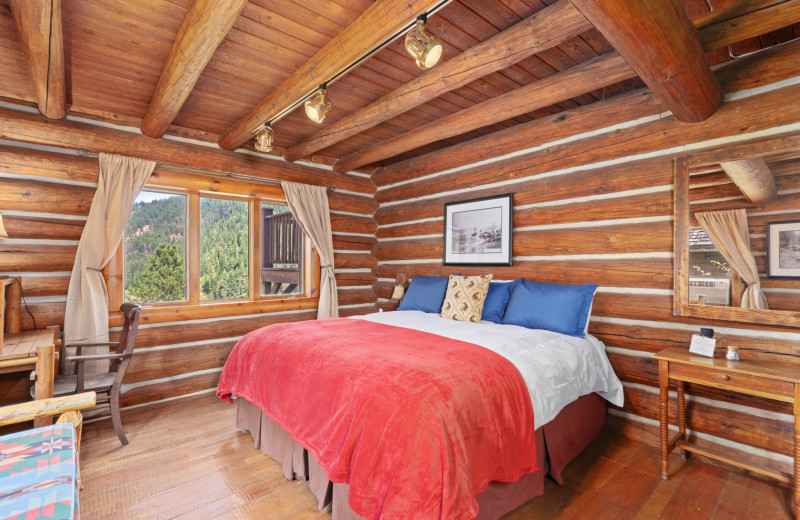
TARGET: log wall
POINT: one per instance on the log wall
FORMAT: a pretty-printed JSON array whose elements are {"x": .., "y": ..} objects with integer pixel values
[
  {"x": 45, "y": 196},
  {"x": 599, "y": 209}
]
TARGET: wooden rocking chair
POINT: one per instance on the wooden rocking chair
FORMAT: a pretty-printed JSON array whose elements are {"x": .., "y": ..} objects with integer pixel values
[{"x": 107, "y": 385}]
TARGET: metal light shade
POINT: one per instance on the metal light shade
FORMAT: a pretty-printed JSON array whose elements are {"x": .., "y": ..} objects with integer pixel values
[
  {"x": 318, "y": 106},
  {"x": 264, "y": 138},
  {"x": 3, "y": 233},
  {"x": 423, "y": 46}
]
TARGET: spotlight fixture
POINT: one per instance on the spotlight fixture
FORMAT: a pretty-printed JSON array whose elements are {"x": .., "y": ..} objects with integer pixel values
[
  {"x": 318, "y": 106},
  {"x": 423, "y": 46},
  {"x": 264, "y": 138}
]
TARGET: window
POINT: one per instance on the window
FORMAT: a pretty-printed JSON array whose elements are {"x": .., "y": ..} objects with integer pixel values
[
  {"x": 281, "y": 250},
  {"x": 224, "y": 249},
  {"x": 195, "y": 243},
  {"x": 155, "y": 249},
  {"x": 710, "y": 274}
]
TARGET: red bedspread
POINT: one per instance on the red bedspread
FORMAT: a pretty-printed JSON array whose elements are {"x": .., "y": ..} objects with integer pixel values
[{"x": 417, "y": 424}]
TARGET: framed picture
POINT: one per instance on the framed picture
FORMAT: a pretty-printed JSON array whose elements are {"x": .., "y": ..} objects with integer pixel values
[
  {"x": 478, "y": 231},
  {"x": 783, "y": 249}
]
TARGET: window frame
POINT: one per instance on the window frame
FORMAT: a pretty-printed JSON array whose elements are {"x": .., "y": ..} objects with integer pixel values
[{"x": 195, "y": 185}]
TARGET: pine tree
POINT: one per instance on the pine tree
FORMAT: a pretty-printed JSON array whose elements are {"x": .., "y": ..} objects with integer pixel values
[{"x": 162, "y": 279}]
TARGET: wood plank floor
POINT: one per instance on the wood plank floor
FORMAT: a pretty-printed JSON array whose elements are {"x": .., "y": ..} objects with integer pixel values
[{"x": 187, "y": 460}]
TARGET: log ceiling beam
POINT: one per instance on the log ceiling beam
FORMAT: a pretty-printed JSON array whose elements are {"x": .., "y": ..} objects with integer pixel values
[
  {"x": 768, "y": 66},
  {"x": 659, "y": 41},
  {"x": 38, "y": 23},
  {"x": 745, "y": 19},
  {"x": 587, "y": 76},
  {"x": 543, "y": 30},
  {"x": 31, "y": 128},
  {"x": 378, "y": 23},
  {"x": 205, "y": 25},
  {"x": 754, "y": 178}
]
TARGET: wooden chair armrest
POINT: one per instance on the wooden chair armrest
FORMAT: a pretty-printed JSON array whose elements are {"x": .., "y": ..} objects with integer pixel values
[
  {"x": 95, "y": 357},
  {"x": 76, "y": 345},
  {"x": 17, "y": 413}
]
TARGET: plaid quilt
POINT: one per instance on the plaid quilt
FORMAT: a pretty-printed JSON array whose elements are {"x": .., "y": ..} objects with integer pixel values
[{"x": 38, "y": 474}]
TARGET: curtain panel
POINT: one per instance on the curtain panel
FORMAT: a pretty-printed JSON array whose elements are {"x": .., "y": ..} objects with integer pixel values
[
  {"x": 728, "y": 231},
  {"x": 309, "y": 205},
  {"x": 86, "y": 319}
]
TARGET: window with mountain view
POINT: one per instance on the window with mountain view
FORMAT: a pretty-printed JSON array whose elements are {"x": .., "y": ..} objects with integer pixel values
[
  {"x": 155, "y": 249},
  {"x": 184, "y": 246},
  {"x": 224, "y": 249}
]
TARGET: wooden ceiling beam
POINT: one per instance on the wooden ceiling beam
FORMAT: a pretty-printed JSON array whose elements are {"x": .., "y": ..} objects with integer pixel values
[
  {"x": 590, "y": 75},
  {"x": 39, "y": 25},
  {"x": 745, "y": 19},
  {"x": 205, "y": 25},
  {"x": 753, "y": 177},
  {"x": 543, "y": 30},
  {"x": 659, "y": 41},
  {"x": 768, "y": 66},
  {"x": 378, "y": 23}
]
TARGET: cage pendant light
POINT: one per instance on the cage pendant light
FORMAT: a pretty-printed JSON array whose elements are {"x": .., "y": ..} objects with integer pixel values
[
  {"x": 318, "y": 106},
  {"x": 423, "y": 46},
  {"x": 264, "y": 138}
]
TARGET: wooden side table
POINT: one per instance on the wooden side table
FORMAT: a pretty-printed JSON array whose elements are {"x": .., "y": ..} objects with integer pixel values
[
  {"x": 766, "y": 379},
  {"x": 29, "y": 350}
]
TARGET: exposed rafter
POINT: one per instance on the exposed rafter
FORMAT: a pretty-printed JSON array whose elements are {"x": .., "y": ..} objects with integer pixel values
[
  {"x": 754, "y": 178},
  {"x": 768, "y": 66},
  {"x": 379, "y": 22},
  {"x": 599, "y": 72},
  {"x": 659, "y": 41},
  {"x": 203, "y": 29},
  {"x": 545, "y": 29},
  {"x": 39, "y": 25},
  {"x": 745, "y": 19}
]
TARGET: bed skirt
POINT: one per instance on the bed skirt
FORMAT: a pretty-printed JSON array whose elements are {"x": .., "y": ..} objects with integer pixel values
[{"x": 557, "y": 443}]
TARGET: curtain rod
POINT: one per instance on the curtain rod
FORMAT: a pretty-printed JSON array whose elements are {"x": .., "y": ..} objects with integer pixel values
[{"x": 86, "y": 153}]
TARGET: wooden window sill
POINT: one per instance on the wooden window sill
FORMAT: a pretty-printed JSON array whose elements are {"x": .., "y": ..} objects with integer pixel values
[{"x": 164, "y": 313}]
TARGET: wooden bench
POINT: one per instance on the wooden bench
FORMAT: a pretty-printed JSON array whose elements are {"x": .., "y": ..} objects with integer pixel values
[{"x": 42, "y": 474}]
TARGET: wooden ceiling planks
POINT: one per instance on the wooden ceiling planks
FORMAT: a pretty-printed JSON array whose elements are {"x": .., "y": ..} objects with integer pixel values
[
  {"x": 16, "y": 82},
  {"x": 115, "y": 51}
]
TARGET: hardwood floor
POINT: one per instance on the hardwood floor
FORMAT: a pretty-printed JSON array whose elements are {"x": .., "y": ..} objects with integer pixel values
[{"x": 187, "y": 460}]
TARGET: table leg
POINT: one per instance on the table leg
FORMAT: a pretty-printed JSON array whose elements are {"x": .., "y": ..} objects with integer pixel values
[
  {"x": 43, "y": 387},
  {"x": 682, "y": 416},
  {"x": 663, "y": 378}
]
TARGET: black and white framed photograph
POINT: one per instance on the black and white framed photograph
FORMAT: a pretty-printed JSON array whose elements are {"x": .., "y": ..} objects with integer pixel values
[
  {"x": 783, "y": 249},
  {"x": 478, "y": 231}
]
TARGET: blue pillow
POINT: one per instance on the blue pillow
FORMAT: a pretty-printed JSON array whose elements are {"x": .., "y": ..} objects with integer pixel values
[
  {"x": 550, "y": 306},
  {"x": 494, "y": 306},
  {"x": 425, "y": 293}
]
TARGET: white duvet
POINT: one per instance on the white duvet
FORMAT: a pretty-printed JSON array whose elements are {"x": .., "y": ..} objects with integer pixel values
[{"x": 557, "y": 369}]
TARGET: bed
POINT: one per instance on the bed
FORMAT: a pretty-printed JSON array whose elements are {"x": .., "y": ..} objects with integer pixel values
[{"x": 474, "y": 443}]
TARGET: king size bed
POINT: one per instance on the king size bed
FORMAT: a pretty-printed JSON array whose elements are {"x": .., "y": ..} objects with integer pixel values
[{"x": 410, "y": 415}]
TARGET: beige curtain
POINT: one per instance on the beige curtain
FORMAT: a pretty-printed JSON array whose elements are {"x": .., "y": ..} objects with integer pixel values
[
  {"x": 728, "y": 230},
  {"x": 120, "y": 181},
  {"x": 309, "y": 205}
]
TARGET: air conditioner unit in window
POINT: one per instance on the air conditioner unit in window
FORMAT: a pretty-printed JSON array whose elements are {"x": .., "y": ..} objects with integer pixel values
[{"x": 716, "y": 290}]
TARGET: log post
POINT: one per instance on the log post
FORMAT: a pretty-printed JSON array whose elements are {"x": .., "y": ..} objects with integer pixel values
[{"x": 43, "y": 387}]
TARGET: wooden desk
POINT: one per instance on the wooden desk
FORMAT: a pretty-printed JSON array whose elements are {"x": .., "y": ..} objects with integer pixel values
[{"x": 752, "y": 377}]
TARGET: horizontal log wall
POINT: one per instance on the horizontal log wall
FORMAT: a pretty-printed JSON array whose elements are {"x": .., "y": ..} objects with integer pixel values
[
  {"x": 599, "y": 209},
  {"x": 45, "y": 197}
]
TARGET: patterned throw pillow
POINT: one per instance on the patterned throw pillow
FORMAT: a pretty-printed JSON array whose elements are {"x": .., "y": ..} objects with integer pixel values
[{"x": 465, "y": 296}]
